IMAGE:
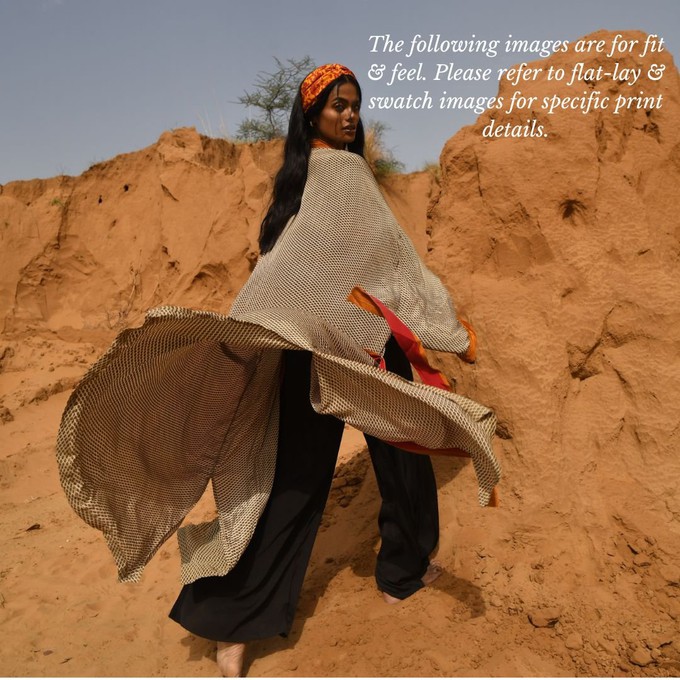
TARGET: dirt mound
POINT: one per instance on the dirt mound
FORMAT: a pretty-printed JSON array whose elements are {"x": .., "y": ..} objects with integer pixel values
[
  {"x": 174, "y": 223},
  {"x": 566, "y": 252}
]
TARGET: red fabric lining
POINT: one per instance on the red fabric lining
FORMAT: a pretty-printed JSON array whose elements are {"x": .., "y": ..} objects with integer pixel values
[{"x": 413, "y": 348}]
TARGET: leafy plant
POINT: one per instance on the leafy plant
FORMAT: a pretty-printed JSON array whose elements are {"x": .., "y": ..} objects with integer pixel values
[
  {"x": 378, "y": 156},
  {"x": 272, "y": 97}
]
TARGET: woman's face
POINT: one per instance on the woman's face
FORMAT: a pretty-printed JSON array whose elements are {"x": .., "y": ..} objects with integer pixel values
[{"x": 337, "y": 123}]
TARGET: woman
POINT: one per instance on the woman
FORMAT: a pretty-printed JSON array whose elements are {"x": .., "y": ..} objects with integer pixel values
[
  {"x": 258, "y": 597},
  {"x": 270, "y": 453}
]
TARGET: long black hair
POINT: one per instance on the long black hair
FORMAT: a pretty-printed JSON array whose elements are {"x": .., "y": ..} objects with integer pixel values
[{"x": 291, "y": 177}]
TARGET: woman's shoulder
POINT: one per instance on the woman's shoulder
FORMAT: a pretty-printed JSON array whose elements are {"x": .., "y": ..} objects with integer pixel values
[
  {"x": 338, "y": 159},
  {"x": 334, "y": 168}
]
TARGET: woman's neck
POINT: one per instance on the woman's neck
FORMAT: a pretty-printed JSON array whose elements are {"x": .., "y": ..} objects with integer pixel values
[{"x": 318, "y": 143}]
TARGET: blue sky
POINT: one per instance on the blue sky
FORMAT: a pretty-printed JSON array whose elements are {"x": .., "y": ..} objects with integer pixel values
[{"x": 84, "y": 80}]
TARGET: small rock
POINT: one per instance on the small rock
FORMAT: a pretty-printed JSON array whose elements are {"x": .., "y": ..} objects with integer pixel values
[
  {"x": 574, "y": 641},
  {"x": 607, "y": 646},
  {"x": 493, "y": 616},
  {"x": 641, "y": 657},
  {"x": 41, "y": 395},
  {"x": 344, "y": 502},
  {"x": 670, "y": 574},
  {"x": 642, "y": 560},
  {"x": 634, "y": 548},
  {"x": 544, "y": 618},
  {"x": 660, "y": 640},
  {"x": 6, "y": 416},
  {"x": 630, "y": 637},
  {"x": 673, "y": 609},
  {"x": 33, "y": 527}
]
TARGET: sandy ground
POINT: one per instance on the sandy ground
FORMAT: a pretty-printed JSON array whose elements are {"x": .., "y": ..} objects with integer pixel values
[{"x": 64, "y": 614}]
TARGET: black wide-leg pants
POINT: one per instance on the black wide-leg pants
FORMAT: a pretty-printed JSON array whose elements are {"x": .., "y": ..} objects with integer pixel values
[{"x": 258, "y": 597}]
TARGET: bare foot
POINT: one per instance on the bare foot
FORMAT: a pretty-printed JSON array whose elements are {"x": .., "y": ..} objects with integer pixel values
[
  {"x": 390, "y": 600},
  {"x": 230, "y": 658},
  {"x": 433, "y": 572}
]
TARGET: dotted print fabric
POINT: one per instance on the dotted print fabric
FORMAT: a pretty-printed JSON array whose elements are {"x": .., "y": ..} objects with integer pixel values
[{"x": 191, "y": 397}]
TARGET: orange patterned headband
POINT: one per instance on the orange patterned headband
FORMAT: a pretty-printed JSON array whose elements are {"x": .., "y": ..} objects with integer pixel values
[{"x": 315, "y": 83}]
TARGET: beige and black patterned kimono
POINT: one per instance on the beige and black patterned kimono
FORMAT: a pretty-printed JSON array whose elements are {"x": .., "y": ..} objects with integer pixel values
[{"x": 193, "y": 397}]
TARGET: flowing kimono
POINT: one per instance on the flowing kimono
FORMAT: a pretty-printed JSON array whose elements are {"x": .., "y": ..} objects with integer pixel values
[{"x": 192, "y": 397}]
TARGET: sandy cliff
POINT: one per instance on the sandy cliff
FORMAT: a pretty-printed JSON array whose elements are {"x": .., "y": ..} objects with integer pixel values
[{"x": 564, "y": 252}]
